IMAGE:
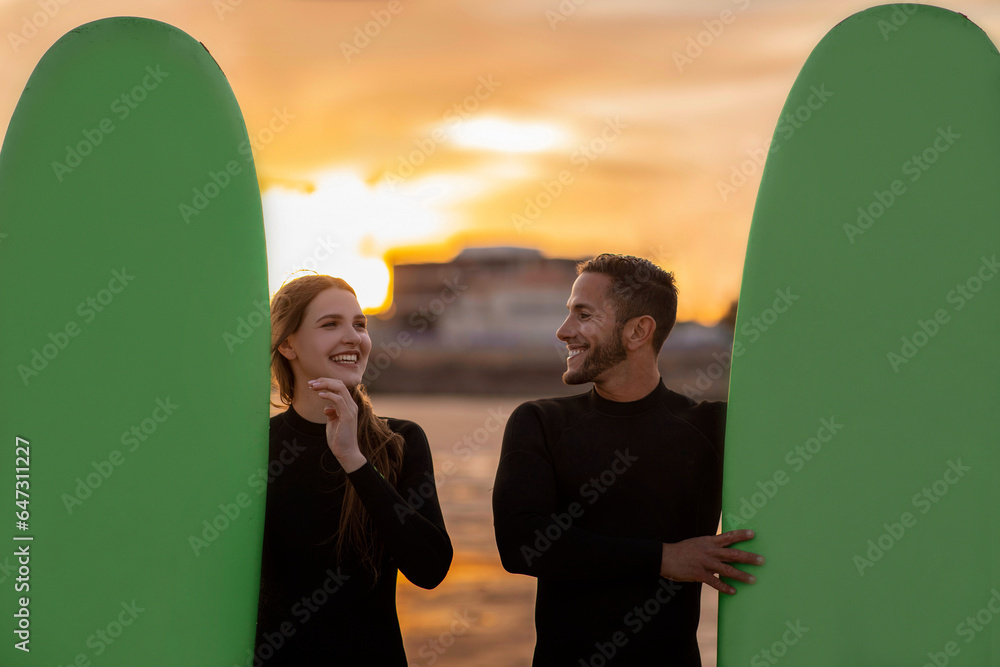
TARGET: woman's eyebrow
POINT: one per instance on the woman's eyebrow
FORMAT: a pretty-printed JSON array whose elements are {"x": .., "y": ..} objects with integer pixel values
[{"x": 338, "y": 316}]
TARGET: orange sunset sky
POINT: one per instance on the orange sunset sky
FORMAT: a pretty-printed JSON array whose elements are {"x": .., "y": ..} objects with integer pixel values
[{"x": 452, "y": 119}]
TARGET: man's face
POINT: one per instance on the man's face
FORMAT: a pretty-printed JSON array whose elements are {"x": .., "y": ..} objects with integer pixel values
[{"x": 590, "y": 331}]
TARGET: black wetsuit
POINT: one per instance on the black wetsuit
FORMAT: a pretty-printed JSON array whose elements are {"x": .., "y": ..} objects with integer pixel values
[
  {"x": 587, "y": 491},
  {"x": 313, "y": 609}
]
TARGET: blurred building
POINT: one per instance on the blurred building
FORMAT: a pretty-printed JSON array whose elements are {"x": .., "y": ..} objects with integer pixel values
[
  {"x": 486, "y": 321},
  {"x": 504, "y": 298}
]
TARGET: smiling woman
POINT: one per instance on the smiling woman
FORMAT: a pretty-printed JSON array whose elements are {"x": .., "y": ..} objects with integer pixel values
[
  {"x": 331, "y": 341},
  {"x": 337, "y": 526}
]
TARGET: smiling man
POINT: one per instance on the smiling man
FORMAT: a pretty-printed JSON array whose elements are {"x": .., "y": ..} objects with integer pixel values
[{"x": 611, "y": 498}]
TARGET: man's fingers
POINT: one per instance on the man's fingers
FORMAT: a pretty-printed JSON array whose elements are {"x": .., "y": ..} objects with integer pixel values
[
  {"x": 732, "y": 537},
  {"x": 733, "y": 573},
  {"x": 719, "y": 585},
  {"x": 737, "y": 556}
]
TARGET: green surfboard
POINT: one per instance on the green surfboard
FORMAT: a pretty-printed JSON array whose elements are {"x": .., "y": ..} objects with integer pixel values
[
  {"x": 861, "y": 440},
  {"x": 134, "y": 357}
]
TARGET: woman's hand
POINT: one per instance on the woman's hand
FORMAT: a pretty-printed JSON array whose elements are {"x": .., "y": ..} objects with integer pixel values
[{"x": 342, "y": 424}]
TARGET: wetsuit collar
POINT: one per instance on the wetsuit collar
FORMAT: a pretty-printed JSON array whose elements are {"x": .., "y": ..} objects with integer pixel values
[
  {"x": 624, "y": 408},
  {"x": 303, "y": 425}
]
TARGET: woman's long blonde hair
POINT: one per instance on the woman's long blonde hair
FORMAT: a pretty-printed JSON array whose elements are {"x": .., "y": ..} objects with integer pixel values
[{"x": 380, "y": 445}]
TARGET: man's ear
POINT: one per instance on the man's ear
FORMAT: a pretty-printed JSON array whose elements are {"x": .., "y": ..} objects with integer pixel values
[{"x": 639, "y": 331}]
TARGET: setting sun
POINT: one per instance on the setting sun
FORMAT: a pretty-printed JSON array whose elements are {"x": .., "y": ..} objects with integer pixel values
[
  {"x": 344, "y": 227},
  {"x": 506, "y": 136}
]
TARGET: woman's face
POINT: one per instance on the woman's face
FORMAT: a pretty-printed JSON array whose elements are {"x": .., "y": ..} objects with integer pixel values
[{"x": 332, "y": 340}]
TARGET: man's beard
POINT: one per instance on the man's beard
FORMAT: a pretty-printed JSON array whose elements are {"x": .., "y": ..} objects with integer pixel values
[{"x": 598, "y": 359}]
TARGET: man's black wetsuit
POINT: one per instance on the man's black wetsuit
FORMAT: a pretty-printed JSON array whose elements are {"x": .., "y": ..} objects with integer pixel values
[
  {"x": 587, "y": 491},
  {"x": 314, "y": 609}
]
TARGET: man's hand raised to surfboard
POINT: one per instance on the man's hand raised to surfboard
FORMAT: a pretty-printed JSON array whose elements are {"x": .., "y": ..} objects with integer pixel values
[
  {"x": 701, "y": 558},
  {"x": 342, "y": 427}
]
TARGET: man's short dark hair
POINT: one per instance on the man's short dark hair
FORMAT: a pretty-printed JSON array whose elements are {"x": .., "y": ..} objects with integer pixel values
[{"x": 638, "y": 287}]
